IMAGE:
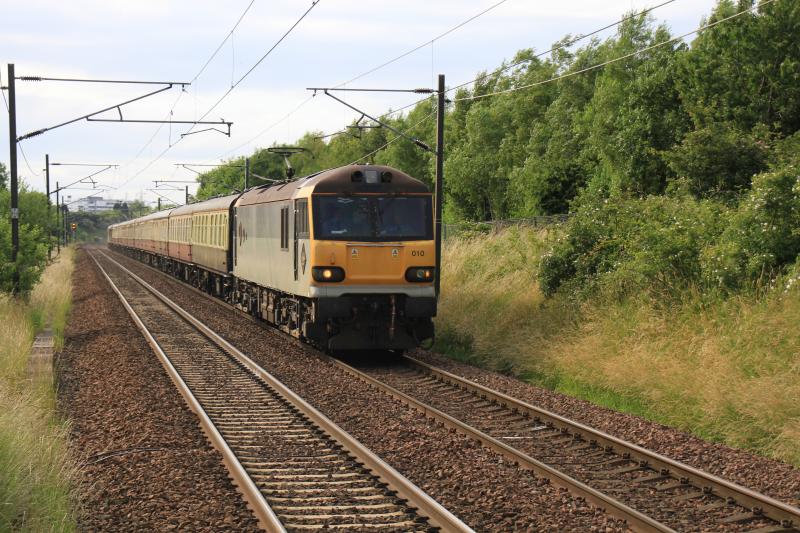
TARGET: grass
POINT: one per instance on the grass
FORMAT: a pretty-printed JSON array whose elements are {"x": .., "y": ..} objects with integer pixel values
[
  {"x": 726, "y": 369},
  {"x": 35, "y": 470}
]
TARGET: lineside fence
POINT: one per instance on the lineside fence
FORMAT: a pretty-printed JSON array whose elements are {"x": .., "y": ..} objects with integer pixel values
[{"x": 491, "y": 226}]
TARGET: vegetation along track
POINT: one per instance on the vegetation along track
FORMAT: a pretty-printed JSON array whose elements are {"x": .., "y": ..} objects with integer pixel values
[
  {"x": 650, "y": 491},
  {"x": 296, "y": 468}
]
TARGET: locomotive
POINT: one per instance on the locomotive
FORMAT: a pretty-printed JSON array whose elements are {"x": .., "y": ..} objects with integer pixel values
[{"x": 343, "y": 259}]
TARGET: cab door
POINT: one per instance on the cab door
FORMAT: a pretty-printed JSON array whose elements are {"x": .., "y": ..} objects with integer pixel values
[{"x": 300, "y": 236}]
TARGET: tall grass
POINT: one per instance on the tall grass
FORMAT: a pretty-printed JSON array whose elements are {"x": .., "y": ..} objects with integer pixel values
[
  {"x": 727, "y": 369},
  {"x": 35, "y": 470}
]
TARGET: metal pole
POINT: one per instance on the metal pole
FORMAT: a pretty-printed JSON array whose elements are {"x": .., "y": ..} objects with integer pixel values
[
  {"x": 12, "y": 141},
  {"x": 187, "y": 194},
  {"x": 49, "y": 219},
  {"x": 159, "y": 203},
  {"x": 58, "y": 222},
  {"x": 64, "y": 220},
  {"x": 439, "y": 180},
  {"x": 246, "y": 172}
]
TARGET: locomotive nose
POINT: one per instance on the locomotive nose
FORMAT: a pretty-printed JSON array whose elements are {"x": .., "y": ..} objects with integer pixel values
[{"x": 375, "y": 263}]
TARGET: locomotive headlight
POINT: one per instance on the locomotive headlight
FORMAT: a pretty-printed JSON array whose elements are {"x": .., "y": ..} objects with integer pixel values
[
  {"x": 420, "y": 274},
  {"x": 327, "y": 274}
]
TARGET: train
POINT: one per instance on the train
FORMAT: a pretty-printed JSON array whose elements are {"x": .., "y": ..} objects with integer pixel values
[{"x": 343, "y": 259}]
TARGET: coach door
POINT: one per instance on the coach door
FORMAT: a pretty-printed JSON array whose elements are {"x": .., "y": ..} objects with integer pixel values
[
  {"x": 233, "y": 238},
  {"x": 300, "y": 235}
]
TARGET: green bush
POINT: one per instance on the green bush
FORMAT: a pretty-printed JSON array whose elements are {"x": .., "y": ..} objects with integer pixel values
[
  {"x": 35, "y": 228},
  {"x": 762, "y": 237},
  {"x": 31, "y": 259},
  {"x": 624, "y": 245},
  {"x": 664, "y": 243}
]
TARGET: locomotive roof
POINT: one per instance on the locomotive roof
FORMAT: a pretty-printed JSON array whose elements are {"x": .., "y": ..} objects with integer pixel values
[{"x": 335, "y": 181}]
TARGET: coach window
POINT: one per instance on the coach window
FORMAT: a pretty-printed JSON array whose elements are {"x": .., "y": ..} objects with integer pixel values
[{"x": 224, "y": 231}]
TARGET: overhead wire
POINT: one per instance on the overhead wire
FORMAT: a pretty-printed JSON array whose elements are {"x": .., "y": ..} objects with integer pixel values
[
  {"x": 372, "y": 70},
  {"x": 269, "y": 128},
  {"x": 541, "y": 54},
  {"x": 257, "y": 63},
  {"x": 546, "y": 52},
  {"x": 566, "y": 44},
  {"x": 229, "y": 35},
  {"x": 396, "y": 138},
  {"x": 616, "y": 59},
  {"x": 21, "y": 148},
  {"x": 423, "y": 45},
  {"x": 240, "y": 80}
]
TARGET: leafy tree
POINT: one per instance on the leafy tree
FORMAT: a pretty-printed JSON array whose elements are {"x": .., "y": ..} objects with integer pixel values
[
  {"x": 718, "y": 158},
  {"x": 34, "y": 235},
  {"x": 746, "y": 70},
  {"x": 635, "y": 112},
  {"x": 559, "y": 158}
]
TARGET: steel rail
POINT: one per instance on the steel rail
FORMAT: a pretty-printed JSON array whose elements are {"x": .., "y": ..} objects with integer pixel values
[
  {"x": 610, "y": 505},
  {"x": 255, "y": 500},
  {"x": 635, "y": 519},
  {"x": 786, "y": 515},
  {"x": 760, "y": 504},
  {"x": 435, "y": 512}
]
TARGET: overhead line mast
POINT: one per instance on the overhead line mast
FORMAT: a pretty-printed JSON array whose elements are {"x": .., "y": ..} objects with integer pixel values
[
  {"x": 438, "y": 152},
  {"x": 233, "y": 86}
]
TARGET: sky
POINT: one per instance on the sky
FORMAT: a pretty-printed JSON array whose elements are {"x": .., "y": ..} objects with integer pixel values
[{"x": 171, "y": 40}]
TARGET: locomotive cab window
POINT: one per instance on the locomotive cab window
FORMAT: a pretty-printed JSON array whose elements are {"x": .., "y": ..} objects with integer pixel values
[{"x": 373, "y": 218}]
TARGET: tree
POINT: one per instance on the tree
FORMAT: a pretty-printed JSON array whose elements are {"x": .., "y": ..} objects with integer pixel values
[
  {"x": 635, "y": 112},
  {"x": 745, "y": 71},
  {"x": 718, "y": 158},
  {"x": 34, "y": 235}
]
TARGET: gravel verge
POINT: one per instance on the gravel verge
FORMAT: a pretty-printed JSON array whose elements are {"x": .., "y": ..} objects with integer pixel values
[
  {"x": 477, "y": 485},
  {"x": 147, "y": 466}
]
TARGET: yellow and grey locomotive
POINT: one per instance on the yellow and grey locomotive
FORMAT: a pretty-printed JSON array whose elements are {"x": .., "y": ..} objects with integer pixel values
[{"x": 344, "y": 258}]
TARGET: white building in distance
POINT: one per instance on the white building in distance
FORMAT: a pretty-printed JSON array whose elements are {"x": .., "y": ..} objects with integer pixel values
[{"x": 93, "y": 204}]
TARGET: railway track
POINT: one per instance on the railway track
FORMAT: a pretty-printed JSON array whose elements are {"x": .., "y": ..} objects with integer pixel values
[
  {"x": 296, "y": 469},
  {"x": 651, "y": 492}
]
